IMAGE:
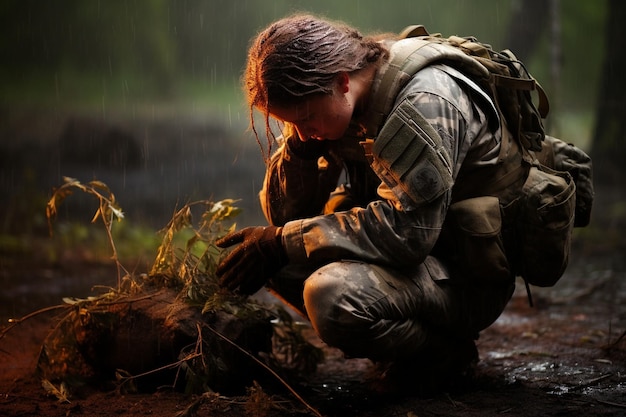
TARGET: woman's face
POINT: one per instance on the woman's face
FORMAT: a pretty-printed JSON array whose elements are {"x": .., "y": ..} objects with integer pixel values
[{"x": 322, "y": 117}]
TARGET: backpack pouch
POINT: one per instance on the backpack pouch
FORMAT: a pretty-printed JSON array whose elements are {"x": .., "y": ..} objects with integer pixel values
[
  {"x": 545, "y": 225},
  {"x": 474, "y": 246}
]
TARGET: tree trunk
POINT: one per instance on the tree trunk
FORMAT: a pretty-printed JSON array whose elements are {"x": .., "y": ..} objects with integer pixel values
[
  {"x": 609, "y": 144},
  {"x": 528, "y": 22}
]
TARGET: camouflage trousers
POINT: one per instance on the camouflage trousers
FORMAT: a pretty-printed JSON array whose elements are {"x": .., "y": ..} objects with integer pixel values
[{"x": 384, "y": 314}]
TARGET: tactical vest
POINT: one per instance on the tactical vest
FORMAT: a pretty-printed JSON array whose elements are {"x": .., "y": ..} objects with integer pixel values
[
  {"x": 409, "y": 56},
  {"x": 505, "y": 80},
  {"x": 537, "y": 204}
]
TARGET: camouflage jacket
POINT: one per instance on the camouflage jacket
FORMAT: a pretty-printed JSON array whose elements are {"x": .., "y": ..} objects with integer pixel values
[{"x": 387, "y": 227}]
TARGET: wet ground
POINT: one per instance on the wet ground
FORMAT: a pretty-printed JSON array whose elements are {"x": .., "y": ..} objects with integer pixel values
[{"x": 564, "y": 356}]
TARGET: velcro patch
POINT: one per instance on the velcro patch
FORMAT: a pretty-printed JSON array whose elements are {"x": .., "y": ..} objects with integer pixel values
[{"x": 410, "y": 158}]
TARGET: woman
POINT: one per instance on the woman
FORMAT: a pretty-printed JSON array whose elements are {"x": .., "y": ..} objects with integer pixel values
[{"x": 373, "y": 263}]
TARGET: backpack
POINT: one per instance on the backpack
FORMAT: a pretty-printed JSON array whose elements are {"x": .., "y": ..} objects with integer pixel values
[
  {"x": 558, "y": 192},
  {"x": 510, "y": 84}
]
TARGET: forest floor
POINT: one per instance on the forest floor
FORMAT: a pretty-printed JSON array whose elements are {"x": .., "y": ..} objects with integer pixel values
[{"x": 566, "y": 355}]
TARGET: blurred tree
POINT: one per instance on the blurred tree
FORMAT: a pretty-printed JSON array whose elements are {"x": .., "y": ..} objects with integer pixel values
[
  {"x": 527, "y": 24},
  {"x": 213, "y": 35},
  {"x": 609, "y": 144},
  {"x": 143, "y": 47},
  {"x": 73, "y": 37}
]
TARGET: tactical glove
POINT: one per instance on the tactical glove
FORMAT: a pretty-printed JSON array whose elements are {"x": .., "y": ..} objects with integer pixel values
[{"x": 258, "y": 257}]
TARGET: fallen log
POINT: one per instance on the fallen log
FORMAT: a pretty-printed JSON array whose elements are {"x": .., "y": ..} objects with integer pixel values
[{"x": 153, "y": 339}]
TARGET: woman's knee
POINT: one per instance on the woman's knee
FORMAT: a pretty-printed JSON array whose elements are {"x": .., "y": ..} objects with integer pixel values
[{"x": 333, "y": 298}]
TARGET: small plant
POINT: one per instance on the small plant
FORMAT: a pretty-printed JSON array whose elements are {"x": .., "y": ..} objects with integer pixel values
[
  {"x": 186, "y": 261},
  {"x": 187, "y": 257},
  {"x": 108, "y": 211}
]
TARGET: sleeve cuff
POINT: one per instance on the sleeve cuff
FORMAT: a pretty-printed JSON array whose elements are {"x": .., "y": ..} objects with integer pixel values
[{"x": 293, "y": 241}]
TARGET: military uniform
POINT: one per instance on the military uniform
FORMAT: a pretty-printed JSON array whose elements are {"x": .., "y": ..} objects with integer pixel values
[{"x": 374, "y": 263}]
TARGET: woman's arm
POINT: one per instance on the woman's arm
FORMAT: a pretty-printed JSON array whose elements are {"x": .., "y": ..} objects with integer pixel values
[{"x": 297, "y": 182}]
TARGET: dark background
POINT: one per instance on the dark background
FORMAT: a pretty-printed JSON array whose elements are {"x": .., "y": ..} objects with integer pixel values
[{"x": 144, "y": 95}]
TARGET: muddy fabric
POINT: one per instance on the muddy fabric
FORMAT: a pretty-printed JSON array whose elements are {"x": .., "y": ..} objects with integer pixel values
[
  {"x": 386, "y": 314},
  {"x": 472, "y": 243},
  {"x": 297, "y": 188},
  {"x": 390, "y": 229},
  {"x": 547, "y": 216}
]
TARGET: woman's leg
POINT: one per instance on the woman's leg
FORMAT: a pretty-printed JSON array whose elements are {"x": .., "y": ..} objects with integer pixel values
[{"x": 382, "y": 314}]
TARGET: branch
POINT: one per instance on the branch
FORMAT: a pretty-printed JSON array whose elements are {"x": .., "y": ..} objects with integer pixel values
[{"x": 267, "y": 368}]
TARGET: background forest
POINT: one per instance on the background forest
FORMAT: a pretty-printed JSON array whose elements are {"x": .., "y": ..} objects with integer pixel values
[
  {"x": 105, "y": 88},
  {"x": 192, "y": 51}
]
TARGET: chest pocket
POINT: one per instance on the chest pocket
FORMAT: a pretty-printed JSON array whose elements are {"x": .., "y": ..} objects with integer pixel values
[{"x": 409, "y": 157}]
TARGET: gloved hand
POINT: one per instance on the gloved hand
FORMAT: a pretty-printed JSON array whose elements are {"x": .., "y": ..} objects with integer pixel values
[{"x": 258, "y": 257}]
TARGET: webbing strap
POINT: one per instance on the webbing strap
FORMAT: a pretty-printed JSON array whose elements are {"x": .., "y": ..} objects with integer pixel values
[
  {"x": 530, "y": 84},
  {"x": 413, "y": 31},
  {"x": 514, "y": 83},
  {"x": 544, "y": 104},
  {"x": 408, "y": 57},
  {"x": 417, "y": 49},
  {"x": 393, "y": 77}
]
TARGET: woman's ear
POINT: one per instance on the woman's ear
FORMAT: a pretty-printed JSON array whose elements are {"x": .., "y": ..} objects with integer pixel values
[{"x": 343, "y": 81}]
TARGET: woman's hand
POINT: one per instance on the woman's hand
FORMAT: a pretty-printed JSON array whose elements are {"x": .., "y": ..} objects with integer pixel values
[{"x": 258, "y": 257}]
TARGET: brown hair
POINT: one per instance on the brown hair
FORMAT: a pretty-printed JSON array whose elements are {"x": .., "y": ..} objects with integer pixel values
[{"x": 299, "y": 56}]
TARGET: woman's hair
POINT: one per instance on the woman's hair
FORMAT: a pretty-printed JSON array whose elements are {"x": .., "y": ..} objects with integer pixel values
[{"x": 299, "y": 56}]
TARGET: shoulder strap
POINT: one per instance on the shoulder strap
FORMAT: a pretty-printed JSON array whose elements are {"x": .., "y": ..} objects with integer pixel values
[{"x": 407, "y": 57}]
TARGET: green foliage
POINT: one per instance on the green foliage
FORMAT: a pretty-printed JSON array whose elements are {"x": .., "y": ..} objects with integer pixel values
[
  {"x": 105, "y": 38},
  {"x": 581, "y": 43},
  {"x": 188, "y": 256},
  {"x": 104, "y": 53}
]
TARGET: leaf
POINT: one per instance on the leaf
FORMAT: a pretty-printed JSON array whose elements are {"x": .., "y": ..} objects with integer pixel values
[
  {"x": 100, "y": 185},
  {"x": 97, "y": 215},
  {"x": 71, "y": 300},
  {"x": 125, "y": 380},
  {"x": 222, "y": 210},
  {"x": 192, "y": 241},
  {"x": 70, "y": 181},
  {"x": 62, "y": 393},
  {"x": 117, "y": 211}
]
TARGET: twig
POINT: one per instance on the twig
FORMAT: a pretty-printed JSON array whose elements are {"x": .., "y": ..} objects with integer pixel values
[
  {"x": 598, "y": 379},
  {"x": 267, "y": 368},
  {"x": 162, "y": 368},
  {"x": 592, "y": 381},
  {"x": 123, "y": 300},
  {"x": 15, "y": 322},
  {"x": 585, "y": 292}
]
